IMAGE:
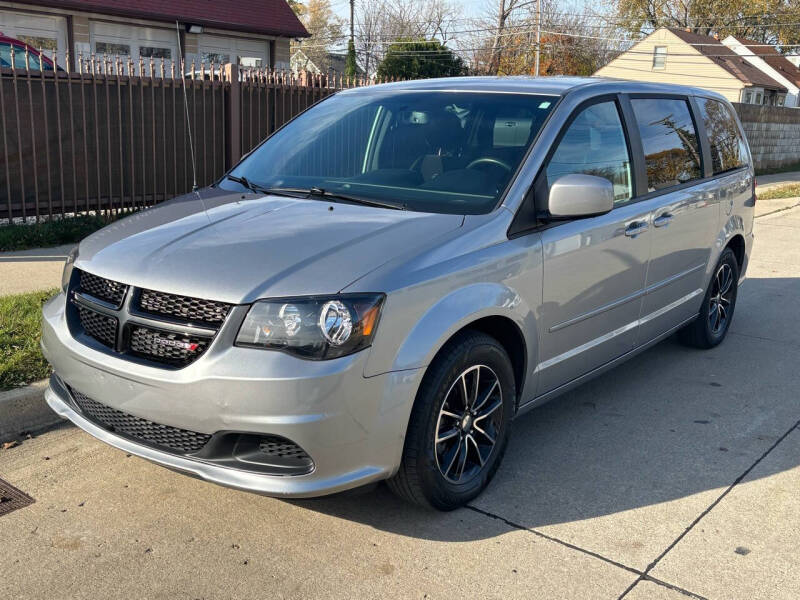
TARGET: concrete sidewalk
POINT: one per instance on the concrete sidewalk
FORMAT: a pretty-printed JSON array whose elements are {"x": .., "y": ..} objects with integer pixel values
[
  {"x": 31, "y": 270},
  {"x": 673, "y": 476},
  {"x": 768, "y": 181}
]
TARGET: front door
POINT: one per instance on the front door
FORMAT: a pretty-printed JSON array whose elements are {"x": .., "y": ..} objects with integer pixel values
[{"x": 594, "y": 269}]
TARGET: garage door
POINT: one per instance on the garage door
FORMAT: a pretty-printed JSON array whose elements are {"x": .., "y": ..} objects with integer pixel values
[
  {"x": 135, "y": 42},
  {"x": 220, "y": 49},
  {"x": 47, "y": 33}
]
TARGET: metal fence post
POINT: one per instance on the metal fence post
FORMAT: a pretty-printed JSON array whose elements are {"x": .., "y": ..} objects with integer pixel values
[{"x": 233, "y": 145}]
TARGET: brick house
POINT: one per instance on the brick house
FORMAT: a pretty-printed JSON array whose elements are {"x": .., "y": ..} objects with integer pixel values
[{"x": 252, "y": 32}]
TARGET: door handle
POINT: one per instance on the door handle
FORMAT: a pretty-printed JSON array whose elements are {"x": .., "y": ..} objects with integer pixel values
[
  {"x": 662, "y": 220},
  {"x": 636, "y": 228}
]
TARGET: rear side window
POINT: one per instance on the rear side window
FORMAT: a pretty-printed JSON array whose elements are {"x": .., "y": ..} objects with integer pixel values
[
  {"x": 728, "y": 148},
  {"x": 669, "y": 139},
  {"x": 594, "y": 144}
]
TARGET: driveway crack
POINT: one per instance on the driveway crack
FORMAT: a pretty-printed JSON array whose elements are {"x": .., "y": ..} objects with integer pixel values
[{"x": 645, "y": 575}]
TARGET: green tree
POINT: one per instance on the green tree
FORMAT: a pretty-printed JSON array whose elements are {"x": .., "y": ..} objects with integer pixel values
[
  {"x": 296, "y": 6},
  {"x": 350, "y": 68},
  {"x": 419, "y": 59}
]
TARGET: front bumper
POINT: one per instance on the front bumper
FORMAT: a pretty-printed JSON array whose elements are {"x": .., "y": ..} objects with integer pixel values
[{"x": 352, "y": 426}]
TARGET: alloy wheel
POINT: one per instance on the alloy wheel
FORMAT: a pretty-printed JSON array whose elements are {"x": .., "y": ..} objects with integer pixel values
[
  {"x": 469, "y": 424},
  {"x": 719, "y": 307}
]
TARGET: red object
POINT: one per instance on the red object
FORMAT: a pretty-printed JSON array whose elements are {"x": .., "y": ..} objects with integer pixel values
[
  {"x": 19, "y": 52},
  {"x": 272, "y": 17}
]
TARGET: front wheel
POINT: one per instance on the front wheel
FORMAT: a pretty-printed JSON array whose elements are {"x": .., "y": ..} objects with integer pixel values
[
  {"x": 716, "y": 313},
  {"x": 459, "y": 425}
]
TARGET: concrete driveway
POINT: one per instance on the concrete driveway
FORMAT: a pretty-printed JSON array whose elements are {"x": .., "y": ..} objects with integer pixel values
[{"x": 675, "y": 475}]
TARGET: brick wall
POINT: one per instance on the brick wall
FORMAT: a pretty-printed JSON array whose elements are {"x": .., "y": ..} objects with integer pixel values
[{"x": 773, "y": 133}]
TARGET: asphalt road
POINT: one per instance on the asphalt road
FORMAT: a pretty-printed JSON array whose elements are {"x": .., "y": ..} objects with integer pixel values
[{"x": 675, "y": 475}]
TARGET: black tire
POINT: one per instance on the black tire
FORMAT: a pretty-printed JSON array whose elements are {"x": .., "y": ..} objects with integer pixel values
[
  {"x": 420, "y": 479},
  {"x": 710, "y": 328}
]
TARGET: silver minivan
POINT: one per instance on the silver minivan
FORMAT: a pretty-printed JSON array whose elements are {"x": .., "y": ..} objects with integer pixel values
[{"x": 381, "y": 287}]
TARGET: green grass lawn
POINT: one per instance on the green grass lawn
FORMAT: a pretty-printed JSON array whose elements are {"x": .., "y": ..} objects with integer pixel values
[
  {"x": 791, "y": 190},
  {"x": 69, "y": 230},
  {"x": 21, "y": 361}
]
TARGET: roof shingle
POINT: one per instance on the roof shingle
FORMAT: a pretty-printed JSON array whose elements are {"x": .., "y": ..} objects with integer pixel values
[
  {"x": 773, "y": 58},
  {"x": 270, "y": 17},
  {"x": 723, "y": 56}
]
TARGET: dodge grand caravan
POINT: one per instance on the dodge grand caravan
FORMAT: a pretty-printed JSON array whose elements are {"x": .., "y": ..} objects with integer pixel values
[{"x": 381, "y": 287}]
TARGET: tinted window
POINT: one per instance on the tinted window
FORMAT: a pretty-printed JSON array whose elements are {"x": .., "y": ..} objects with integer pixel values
[
  {"x": 728, "y": 148},
  {"x": 669, "y": 139},
  {"x": 594, "y": 144},
  {"x": 449, "y": 152}
]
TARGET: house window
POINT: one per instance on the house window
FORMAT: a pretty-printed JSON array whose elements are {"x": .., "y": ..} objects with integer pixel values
[
  {"x": 748, "y": 97},
  {"x": 781, "y": 100},
  {"x": 759, "y": 98},
  {"x": 155, "y": 52},
  {"x": 250, "y": 61},
  {"x": 659, "y": 57},
  {"x": 215, "y": 57},
  {"x": 111, "y": 49}
]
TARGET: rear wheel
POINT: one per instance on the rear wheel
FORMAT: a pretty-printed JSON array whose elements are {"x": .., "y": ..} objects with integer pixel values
[
  {"x": 716, "y": 313},
  {"x": 459, "y": 425}
]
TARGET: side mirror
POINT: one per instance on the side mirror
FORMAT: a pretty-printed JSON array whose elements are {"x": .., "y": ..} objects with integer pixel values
[{"x": 580, "y": 195}]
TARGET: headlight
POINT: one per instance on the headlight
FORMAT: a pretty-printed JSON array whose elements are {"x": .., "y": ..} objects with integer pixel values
[
  {"x": 317, "y": 328},
  {"x": 68, "y": 264}
]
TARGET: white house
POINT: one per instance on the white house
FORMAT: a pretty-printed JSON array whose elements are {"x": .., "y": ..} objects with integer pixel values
[{"x": 770, "y": 61}]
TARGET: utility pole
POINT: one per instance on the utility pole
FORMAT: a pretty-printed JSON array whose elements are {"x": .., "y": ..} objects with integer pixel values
[
  {"x": 538, "y": 34},
  {"x": 352, "y": 27}
]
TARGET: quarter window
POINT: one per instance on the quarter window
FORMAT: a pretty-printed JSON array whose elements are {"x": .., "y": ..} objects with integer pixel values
[
  {"x": 728, "y": 148},
  {"x": 659, "y": 57},
  {"x": 594, "y": 144},
  {"x": 669, "y": 140}
]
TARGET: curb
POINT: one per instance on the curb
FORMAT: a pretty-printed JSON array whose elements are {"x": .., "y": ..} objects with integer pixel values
[{"x": 24, "y": 410}]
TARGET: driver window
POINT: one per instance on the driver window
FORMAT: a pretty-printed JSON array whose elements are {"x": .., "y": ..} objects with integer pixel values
[{"x": 594, "y": 144}]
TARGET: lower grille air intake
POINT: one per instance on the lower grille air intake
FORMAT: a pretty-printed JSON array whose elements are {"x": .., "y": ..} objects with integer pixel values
[{"x": 178, "y": 441}]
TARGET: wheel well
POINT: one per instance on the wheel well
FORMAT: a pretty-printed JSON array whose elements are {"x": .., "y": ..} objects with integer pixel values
[
  {"x": 737, "y": 245},
  {"x": 505, "y": 331}
]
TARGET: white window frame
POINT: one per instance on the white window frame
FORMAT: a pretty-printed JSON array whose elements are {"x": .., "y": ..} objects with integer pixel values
[{"x": 659, "y": 54}]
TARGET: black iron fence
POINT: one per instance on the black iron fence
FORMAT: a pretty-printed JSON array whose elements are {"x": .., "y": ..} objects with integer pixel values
[{"x": 114, "y": 134}]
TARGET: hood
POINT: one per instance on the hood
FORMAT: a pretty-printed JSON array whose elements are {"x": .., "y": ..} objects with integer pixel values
[{"x": 237, "y": 248}]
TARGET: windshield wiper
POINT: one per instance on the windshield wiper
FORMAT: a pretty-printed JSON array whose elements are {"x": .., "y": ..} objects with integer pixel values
[
  {"x": 260, "y": 189},
  {"x": 319, "y": 192}
]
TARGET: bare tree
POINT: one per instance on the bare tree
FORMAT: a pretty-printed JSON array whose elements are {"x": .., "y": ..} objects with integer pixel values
[{"x": 379, "y": 23}]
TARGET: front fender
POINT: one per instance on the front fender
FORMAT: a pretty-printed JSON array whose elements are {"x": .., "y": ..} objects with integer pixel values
[{"x": 452, "y": 313}]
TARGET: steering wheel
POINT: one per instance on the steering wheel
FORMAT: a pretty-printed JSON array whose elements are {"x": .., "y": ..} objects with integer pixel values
[{"x": 491, "y": 161}]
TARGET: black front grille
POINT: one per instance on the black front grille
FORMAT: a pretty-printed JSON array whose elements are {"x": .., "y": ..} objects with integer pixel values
[
  {"x": 173, "y": 348},
  {"x": 184, "y": 308},
  {"x": 179, "y": 441},
  {"x": 98, "y": 326},
  {"x": 168, "y": 330},
  {"x": 107, "y": 290}
]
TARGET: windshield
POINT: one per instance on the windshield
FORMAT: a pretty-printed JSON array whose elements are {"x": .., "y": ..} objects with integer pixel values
[{"x": 446, "y": 152}]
